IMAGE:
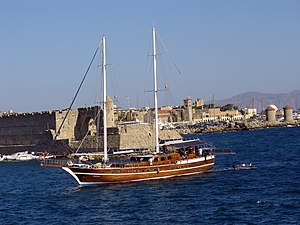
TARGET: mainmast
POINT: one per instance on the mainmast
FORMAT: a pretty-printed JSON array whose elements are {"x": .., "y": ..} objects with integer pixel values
[
  {"x": 155, "y": 91},
  {"x": 104, "y": 100}
]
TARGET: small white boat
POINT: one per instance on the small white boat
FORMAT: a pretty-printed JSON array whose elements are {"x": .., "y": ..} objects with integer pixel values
[
  {"x": 26, "y": 156},
  {"x": 42, "y": 155},
  {"x": 5, "y": 158},
  {"x": 243, "y": 166},
  {"x": 18, "y": 156},
  {"x": 23, "y": 156}
]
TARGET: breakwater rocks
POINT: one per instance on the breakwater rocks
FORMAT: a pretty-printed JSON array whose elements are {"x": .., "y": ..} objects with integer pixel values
[{"x": 231, "y": 126}]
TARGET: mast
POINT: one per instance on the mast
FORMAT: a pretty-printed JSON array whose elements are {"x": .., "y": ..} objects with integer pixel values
[
  {"x": 214, "y": 112},
  {"x": 104, "y": 100},
  {"x": 155, "y": 91}
]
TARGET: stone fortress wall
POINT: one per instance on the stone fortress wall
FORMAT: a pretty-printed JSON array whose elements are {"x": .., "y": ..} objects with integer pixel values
[
  {"x": 142, "y": 135},
  {"x": 24, "y": 131},
  {"x": 36, "y": 131},
  {"x": 135, "y": 136}
]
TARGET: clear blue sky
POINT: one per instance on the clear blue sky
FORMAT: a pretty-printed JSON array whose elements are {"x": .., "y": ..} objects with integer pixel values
[{"x": 222, "y": 48}]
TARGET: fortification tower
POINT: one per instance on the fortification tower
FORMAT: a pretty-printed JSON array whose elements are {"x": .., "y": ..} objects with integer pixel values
[
  {"x": 199, "y": 102},
  {"x": 288, "y": 113},
  {"x": 188, "y": 112},
  {"x": 271, "y": 113},
  {"x": 110, "y": 119}
]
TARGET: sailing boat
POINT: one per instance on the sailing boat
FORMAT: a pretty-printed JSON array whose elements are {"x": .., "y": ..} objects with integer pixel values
[{"x": 172, "y": 158}]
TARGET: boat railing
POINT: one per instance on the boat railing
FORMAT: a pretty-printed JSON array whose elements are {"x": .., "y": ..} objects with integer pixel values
[{"x": 55, "y": 162}]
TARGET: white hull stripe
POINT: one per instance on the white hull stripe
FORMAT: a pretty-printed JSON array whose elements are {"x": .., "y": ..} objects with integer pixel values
[{"x": 73, "y": 175}]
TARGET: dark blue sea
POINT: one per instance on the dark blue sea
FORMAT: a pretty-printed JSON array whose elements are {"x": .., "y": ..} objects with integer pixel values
[{"x": 30, "y": 194}]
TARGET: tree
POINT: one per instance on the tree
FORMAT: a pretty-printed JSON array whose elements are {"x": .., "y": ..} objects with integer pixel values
[
  {"x": 228, "y": 107},
  {"x": 208, "y": 106}
]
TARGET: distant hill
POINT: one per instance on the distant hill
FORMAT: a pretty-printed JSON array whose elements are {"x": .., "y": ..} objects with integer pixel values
[{"x": 262, "y": 100}]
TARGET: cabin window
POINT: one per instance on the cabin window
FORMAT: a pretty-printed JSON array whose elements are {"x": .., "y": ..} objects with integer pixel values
[
  {"x": 155, "y": 160},
  {"x": 163, "y": 158},
  {"x": 169, "y": 157}
]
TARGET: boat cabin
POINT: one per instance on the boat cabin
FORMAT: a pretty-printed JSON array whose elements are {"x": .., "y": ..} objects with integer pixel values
[
  {"x": 190, "y": 148},
  {"x": 146, "y": 160}
]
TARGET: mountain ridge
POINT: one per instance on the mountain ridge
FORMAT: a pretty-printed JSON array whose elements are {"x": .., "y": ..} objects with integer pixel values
[{"x": 261, "y": 100}]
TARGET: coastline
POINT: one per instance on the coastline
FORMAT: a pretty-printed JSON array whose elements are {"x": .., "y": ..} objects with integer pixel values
[{"x": 232, "y": 127}]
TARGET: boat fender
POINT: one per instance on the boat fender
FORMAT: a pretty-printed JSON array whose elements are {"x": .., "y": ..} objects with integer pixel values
[{"x": 70, "y": 163}]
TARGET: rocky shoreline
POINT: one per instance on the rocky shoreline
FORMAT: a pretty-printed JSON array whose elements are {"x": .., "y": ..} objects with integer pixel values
[{"x": 233, "y": 126}]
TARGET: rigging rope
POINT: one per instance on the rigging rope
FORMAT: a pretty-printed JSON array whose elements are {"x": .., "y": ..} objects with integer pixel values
[
  {"x": 69, "y": 109},
  {"x": 67, "y": 147},
  {"x": 87, "y": 135},
  {"x": 168, "y": 53}
]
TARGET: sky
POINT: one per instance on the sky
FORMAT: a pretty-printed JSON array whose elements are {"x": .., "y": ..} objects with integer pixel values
[{"x": 206, "y": 49}]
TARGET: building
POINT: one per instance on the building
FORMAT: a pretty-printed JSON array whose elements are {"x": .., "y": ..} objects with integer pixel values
[{"x": 215, "y": 114}]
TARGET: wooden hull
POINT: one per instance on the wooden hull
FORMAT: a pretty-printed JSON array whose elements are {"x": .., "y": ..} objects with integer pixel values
[{"x": 98, "y": 176}]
